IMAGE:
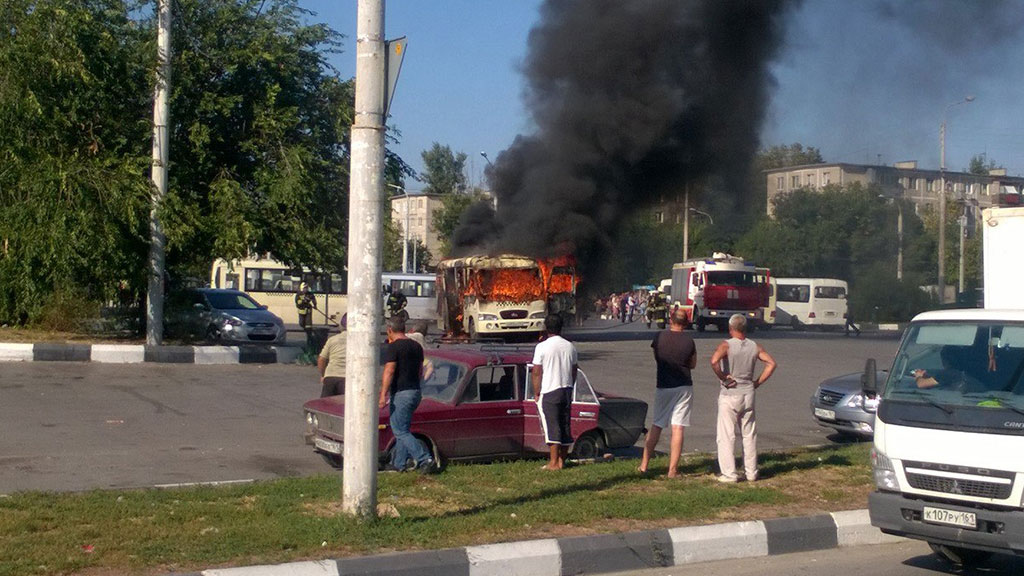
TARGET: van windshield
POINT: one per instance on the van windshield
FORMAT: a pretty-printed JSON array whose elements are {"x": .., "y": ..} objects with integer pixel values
[{"x": 955, "y": 364}]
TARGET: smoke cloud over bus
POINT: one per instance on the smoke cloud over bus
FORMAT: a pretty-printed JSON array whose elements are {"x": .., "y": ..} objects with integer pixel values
[{"x": 631, "y": 101}]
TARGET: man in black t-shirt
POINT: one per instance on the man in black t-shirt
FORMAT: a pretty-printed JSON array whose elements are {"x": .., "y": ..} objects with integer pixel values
[
  {"x": 675, "y": 354},
  {"x": 400, "y": 389}
]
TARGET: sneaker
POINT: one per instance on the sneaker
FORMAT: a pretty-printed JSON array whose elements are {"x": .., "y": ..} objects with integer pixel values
[
  {"x": 427, "y": 467},
  {"x": 389, "y": 467},
  {"x": 727, "y": 479}
]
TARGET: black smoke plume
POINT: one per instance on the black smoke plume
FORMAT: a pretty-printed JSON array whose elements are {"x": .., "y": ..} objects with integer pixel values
[{"x": 631, "y": 100}]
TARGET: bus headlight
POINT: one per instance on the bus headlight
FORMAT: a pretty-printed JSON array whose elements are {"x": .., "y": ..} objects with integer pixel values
[
  {"x": 536, "y": 315},
  {"x": 484, "y": 317},
  {"x": 885, "y": 474}
]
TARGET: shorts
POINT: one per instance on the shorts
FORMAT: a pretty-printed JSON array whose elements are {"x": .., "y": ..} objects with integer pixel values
[
  {"x": 555, "y": 409},
  {"x": 672, "y": 405}
]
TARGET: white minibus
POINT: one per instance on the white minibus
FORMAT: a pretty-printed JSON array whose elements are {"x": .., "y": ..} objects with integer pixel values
[{"x": 810, "y": 302}]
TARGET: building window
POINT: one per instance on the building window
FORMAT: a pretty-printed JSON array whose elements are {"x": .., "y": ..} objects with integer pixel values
[
  {"x": 796, "y": 181},
  {"x": 659, "y": 217},
  {"x": 824, "y": 179},
  {"x": 780, "y": 183},
  {"x": 810, "y": 179}
]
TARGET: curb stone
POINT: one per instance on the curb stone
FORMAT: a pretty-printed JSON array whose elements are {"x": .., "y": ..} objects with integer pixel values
[
  {"x": 602, "y": 553},
  {"x": 139, "y": 353}
]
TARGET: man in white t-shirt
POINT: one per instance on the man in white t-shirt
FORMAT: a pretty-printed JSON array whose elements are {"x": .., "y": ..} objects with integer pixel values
[{"x": 553, "y": 376}]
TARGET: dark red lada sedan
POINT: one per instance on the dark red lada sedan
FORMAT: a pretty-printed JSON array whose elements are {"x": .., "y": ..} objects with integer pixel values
[{"x": 478, "y": 405}]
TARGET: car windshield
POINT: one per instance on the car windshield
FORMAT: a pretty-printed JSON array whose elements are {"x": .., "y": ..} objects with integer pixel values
[
  {"x": 231, "y": 301},
  {"x": 442, "y": 384},
  {"x": 960, "y": 364}
]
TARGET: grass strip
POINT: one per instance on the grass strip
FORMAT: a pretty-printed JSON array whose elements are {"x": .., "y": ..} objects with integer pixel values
[{"x": 156, "y": 531}]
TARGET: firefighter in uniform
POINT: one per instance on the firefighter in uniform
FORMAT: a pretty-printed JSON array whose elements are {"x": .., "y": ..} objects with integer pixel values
[
  {"x": 396, "y": 304},
  {"x": 305, "y": 302},
  {"x": 657, "y": 308}
]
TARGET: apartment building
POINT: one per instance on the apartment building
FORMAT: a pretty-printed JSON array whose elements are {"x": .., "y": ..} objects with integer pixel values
[
  {"x": 903, "y": 179},
  {"x": 418, "y": 210}
]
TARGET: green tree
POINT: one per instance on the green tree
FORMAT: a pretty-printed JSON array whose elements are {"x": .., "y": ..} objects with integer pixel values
[
  {"x": 259, "y": 144},
  {"x": 844, "y": 232},
  {"x": 784, "y": 155},
  {"x": 982, "y": 164},
  {"x": 444, "y": 170}
]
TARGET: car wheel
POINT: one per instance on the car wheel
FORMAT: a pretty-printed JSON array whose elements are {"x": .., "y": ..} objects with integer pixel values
[
  {"x": 960, "y": 556},
  {"x": 333, "y": 460},
  {"x": 213, "y": 334},
  {"x": 439, "y": 460},
  {"x": 589, "y": 446}
]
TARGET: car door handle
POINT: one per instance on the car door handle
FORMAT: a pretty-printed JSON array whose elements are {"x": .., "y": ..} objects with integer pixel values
[
  {"x": 588, "y": 414},
  {"x": 513, "y": 411}
]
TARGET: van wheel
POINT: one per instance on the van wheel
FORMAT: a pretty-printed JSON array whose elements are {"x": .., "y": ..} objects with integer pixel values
[
  {"x": 589, "y": 446},
  {"x": 960, "y": 556}
]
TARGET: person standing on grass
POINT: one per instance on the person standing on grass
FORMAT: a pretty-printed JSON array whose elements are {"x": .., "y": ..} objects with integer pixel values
[
  {"x": 400, "y": 389},
  {"x": 555, "y": 363},
  {"x": 676, "y": 355},
  {"x": 733, "y": 363}
]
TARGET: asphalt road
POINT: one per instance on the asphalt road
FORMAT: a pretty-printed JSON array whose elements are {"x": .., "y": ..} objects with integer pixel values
[
  {"x": 910, "y": 558},
  {"x": 77, "y": 426}
]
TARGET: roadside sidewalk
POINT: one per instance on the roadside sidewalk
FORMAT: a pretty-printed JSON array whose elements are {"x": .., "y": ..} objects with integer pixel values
[{"x": 602, "y": 553}]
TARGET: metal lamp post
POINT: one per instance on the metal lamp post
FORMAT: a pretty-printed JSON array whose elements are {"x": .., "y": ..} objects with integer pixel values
[
  {"x": 405, "y": 228},
  {"x": 942, "y": 198}
]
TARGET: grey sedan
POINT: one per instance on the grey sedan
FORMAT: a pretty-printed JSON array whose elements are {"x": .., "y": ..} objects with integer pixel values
[
  {"x": 223, "y": 316},
  {"x": 840, "y": 404}
]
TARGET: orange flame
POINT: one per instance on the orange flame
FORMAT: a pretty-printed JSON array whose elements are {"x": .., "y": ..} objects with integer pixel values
[{"x": 506, "y": 284}]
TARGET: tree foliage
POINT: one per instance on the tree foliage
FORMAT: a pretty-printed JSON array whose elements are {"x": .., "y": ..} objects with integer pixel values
[
  {"x": 444, "y": 171},
  {"x": 982, "y": 164},
  {"x": 259, "y": 143}
]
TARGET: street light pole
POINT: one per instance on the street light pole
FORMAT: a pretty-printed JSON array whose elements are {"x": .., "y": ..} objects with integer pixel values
[
  {"x": 704, "y": 214},
  {"x": 686, "y": 224},
  {"x": 405, "y": 228},
  {"x": 942, "y": 199}
]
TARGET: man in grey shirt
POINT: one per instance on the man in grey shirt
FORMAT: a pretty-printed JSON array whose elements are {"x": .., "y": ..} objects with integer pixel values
[{"x": 733, "y": 363}]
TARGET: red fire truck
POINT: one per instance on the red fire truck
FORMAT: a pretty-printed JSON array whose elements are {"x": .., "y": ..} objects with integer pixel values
[{"x": 713, "y": 289}]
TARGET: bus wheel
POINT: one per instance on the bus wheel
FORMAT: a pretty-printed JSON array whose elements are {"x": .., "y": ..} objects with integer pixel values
[
  {"x": 794, "y": 323},
  {"x": 960, "y": 556},
  {"x": 472, "y": 329}
]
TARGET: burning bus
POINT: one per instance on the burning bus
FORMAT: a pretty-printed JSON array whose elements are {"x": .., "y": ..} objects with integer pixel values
[{"x": 500, "y": 296}]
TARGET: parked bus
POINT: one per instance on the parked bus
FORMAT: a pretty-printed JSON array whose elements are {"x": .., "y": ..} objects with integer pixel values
[
  {"x": 811, "y": 302},
  {"x": 420, "y": 291},
  {"x": 274, "y": 285}
]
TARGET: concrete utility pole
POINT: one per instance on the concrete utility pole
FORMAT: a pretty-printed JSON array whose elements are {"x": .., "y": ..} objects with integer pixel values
[
  {"x": 366, "y": 199},
  {"x": 157, "y": 240}
]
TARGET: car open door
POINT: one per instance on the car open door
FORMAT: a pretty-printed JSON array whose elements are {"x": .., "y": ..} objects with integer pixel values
[
  {"x": 489, "y": 419},
  {"x": 585, "y": 412}
]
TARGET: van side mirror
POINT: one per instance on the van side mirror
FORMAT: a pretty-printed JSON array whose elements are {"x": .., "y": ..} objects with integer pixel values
[{"x": 869, "y": 379}]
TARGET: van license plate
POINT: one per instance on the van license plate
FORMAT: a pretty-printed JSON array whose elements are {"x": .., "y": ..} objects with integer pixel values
[
  {"x": 950, "y": 517},
  {"x": 327, "y": 445},
  {"x": 825, "y": 414}
]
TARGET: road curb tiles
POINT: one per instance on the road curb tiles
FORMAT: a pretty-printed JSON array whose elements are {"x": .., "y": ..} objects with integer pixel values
[
  {"x": 137, "y": 353},
  {"x": 603, "y": 553}
]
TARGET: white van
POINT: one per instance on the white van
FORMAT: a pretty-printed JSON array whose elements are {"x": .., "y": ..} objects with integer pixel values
[
  {"x": 810, "y": 302},
  {"x": 419, "y": 289}
]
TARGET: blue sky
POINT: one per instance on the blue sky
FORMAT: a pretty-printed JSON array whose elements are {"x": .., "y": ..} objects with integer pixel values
[{"x": 863, "y": 81}]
